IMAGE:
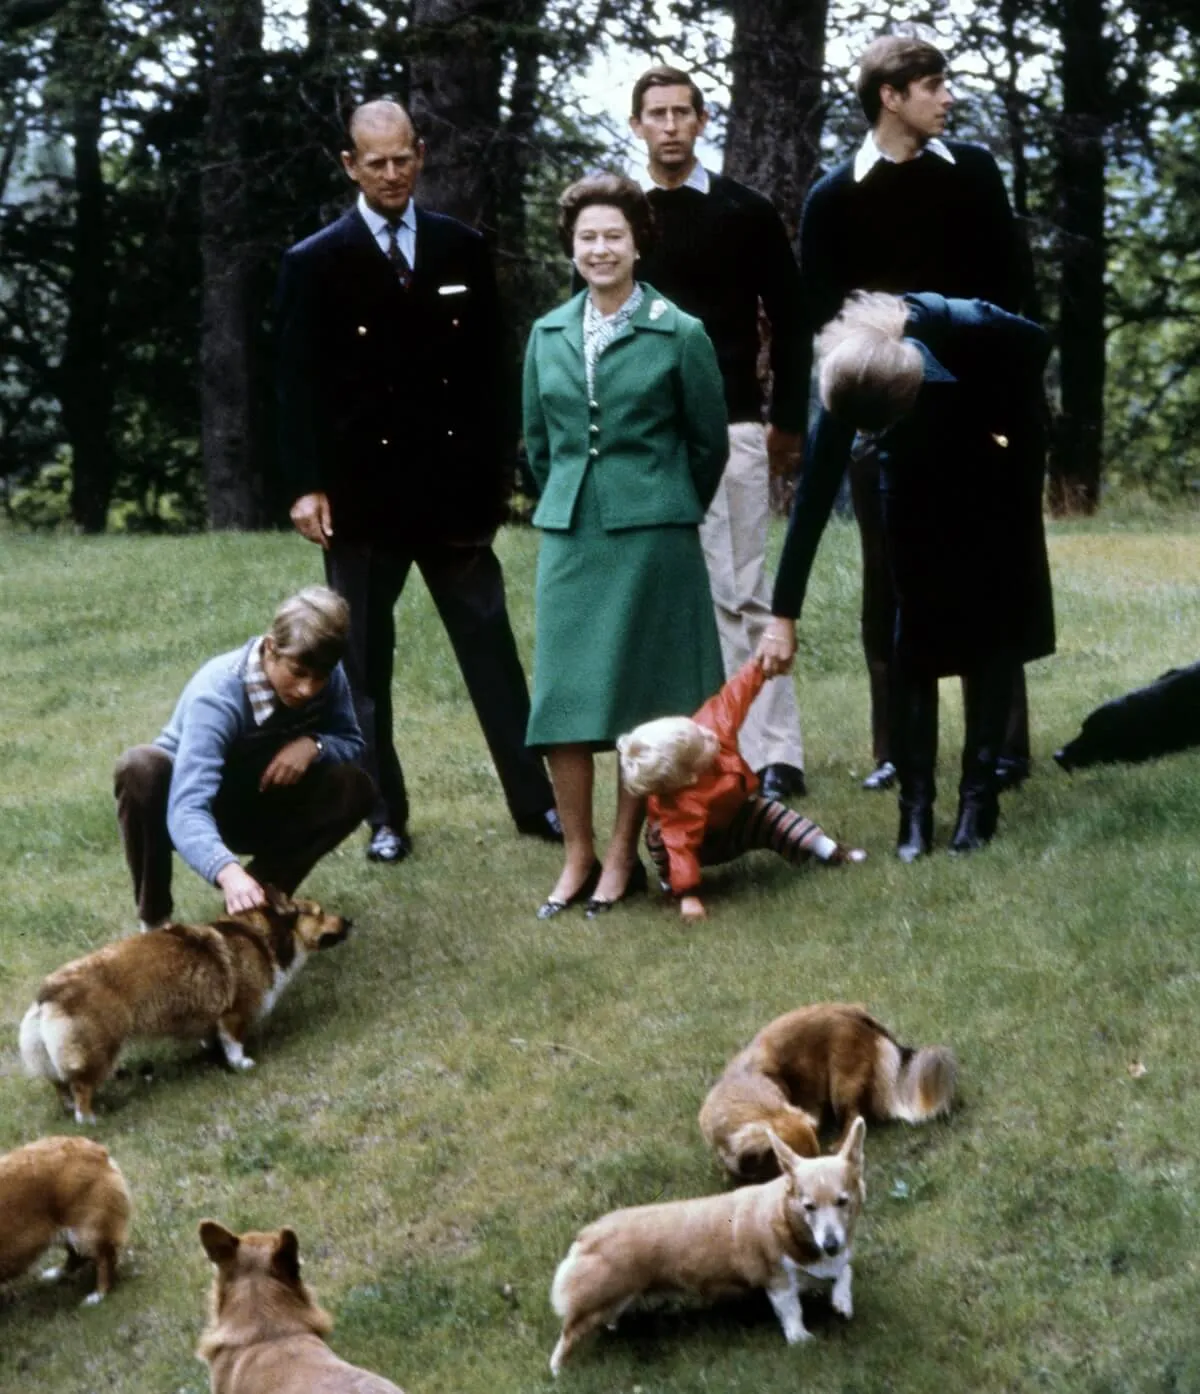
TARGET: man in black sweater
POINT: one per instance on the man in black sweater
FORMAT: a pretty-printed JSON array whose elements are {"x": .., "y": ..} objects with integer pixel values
[
  {"x": 909, "y": 212},
  {"x": 721, "y": 252}
]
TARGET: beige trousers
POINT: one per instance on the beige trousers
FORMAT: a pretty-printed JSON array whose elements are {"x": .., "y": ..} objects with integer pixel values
[{"x": 734, "y": 537}]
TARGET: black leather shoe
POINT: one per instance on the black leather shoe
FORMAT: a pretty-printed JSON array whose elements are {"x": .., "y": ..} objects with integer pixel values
[
  {"x": 976, "y": 825},
  {"x": 883, "y": 777},
  {"x": 915, "y": 838},
  {"x": 551, "y": 907},
  {"x": 387, "y": 845},
  {"x": 1011, "y": 773},
  {"x": 781, "y": 782},
  {"x": 544, "y": 825},
  {"x": 638, "y": 883}
]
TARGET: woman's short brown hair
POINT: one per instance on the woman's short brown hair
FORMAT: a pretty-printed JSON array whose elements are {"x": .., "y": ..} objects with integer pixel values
[
  {"x": 606, "y": 190},
  {"x": 311, "y": 628}
]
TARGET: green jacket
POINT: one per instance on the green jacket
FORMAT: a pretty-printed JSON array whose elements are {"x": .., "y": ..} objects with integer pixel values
[{"x": 654, "y": 432}]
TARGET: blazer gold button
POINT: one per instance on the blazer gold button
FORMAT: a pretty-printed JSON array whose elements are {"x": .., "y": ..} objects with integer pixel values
[
  {"x": 383, "y": 442},
  {"x": 595, "y": 430},
  {"x": 449, "y": 433},
  {"x": 593, "y": 451},
  {"x": 595, "y": 406},
  {"x": 362, "y": 328}
]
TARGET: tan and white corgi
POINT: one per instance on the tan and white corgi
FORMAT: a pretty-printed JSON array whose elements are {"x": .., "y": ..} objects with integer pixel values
[
  {"x": 183, "y": 981},
  {"x": 64, "y": 1189},
  {"x": 790, "y": 1235},
  {"x": 265, "y": 1333},
  {"x": 833, "y": 1056}
]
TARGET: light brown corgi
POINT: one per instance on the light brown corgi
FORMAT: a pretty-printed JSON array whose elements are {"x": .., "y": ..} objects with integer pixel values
[
  {"x": 66, "y": 1189},
  {"x": 184, "y": 981},
  {"x": 265, "y": 1333},
  {"x": 831, "y": 1056},
  {"x": 790, "y": 1235}
]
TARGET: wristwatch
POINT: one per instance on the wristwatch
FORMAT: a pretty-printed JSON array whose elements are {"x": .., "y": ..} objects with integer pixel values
[{"x": 319, "y": 743}]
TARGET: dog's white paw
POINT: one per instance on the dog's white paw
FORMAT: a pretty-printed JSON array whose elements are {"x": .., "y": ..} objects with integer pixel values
[
  {"x": 245, "y": 1063},
  {"x": 92, "y": 1299},
  {"x": 841, "y": 1298},
  {"x": 86, "y": 1120},
  {"x": 795, "y": 1335}
]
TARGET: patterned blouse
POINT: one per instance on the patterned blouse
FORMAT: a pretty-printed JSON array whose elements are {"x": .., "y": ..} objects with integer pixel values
[{"x": 599, "y": 330}]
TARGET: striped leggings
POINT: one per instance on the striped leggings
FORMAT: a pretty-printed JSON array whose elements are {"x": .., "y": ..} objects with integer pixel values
[{"x": 759, "y": 825}]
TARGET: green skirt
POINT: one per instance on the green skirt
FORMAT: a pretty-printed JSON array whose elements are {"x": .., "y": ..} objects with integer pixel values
[{"x": 624, "y": 626}]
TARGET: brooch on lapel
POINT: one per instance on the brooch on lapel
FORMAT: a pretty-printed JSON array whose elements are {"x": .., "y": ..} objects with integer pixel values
[{"x": 658, "y": 308}]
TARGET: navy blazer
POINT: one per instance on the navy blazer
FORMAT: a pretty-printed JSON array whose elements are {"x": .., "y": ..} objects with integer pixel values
[{"x": 390, "y": 400}]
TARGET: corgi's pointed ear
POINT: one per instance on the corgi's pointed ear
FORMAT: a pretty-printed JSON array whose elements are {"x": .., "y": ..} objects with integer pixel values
[
  {"x": 220, "y": 1244},
  {"x": 787, "y": 1159},
  {"x": 285, "y": 1261},
  {"x": 852, "y": 1149}
]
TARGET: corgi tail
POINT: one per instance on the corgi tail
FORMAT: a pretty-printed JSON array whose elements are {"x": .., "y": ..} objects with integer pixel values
[
  {"x": 559, "y": 1296},
  {"x": 914, "y": 1085},
  {"x": 34, "y": 1053}
]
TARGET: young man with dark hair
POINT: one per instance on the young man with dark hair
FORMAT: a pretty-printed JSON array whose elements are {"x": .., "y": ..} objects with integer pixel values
[
  {"x": 721, "y": 252},
  {"x": 909, "y": 211}
]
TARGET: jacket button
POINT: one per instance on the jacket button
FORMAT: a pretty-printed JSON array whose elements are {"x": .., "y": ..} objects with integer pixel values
[
  {"x": 449, "y": 433},
  {"x": 595, "y": 406},
  {"x": 593, "y": 452},
  {"x": 383, "y": 442},
  {"x": 595, "y": 430},
  {"x": 362, "y": 328}
]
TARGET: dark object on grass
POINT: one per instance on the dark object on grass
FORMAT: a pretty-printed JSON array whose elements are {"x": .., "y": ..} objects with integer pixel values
[{"x": 1153, "y": 720}]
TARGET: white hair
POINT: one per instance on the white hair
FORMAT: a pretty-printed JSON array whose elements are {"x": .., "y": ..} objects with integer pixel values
[
  {"x": 869, "y": 374},
  {"x": 661, "y": 756}
]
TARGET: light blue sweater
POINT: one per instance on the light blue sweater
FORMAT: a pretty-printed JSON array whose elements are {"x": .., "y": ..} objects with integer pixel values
[{"x": 212, "y": 734}]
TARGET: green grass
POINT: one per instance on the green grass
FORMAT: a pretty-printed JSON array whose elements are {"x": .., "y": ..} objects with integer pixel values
[{"x": 441, "y": 1102}]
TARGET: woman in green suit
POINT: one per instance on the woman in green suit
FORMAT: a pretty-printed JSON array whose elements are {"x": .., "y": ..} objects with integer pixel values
[{"x": 626, "y": 436}]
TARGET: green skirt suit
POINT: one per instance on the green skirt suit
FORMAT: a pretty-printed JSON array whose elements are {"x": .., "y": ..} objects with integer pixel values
[{"x": 624, "y": 625}]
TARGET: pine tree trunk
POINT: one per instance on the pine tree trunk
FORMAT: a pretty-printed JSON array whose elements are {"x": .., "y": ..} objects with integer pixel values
[
  {"x": 85, "y": 375},
  {"x": 228, "y": 427},
  {"x": 1076, "y": 459}
]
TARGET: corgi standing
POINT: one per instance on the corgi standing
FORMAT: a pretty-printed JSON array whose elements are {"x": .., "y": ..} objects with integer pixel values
[
  {"x": 790, "y": 1235},
  {"x": 68, "y": 1189}
]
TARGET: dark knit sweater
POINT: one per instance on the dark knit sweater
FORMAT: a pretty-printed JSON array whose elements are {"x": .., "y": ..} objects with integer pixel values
[
  {"x": 717, "y": 254},
  {"x": 921, "y": 225}
]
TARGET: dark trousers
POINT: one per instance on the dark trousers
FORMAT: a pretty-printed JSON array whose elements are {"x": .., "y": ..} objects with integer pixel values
[
  {"x": 287, "y": 828},
  {"x": 467, "y": 587},
  {"x": 879, "y": 624}
]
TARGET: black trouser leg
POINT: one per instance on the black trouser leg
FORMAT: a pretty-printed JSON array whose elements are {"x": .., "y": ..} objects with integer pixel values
[
  {"x": 914, "y": 702},
  {"x": 371, "y": 581},
  {"x": 467, "y": 586},
  {"x": 878, "y": 599},
  {"x": 988, "y": 694}
]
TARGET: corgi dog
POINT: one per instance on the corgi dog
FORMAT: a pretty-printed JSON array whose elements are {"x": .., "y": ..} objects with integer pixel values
[
  {"x": 790, "y": 1235},
  {"x": 832, "y": 1056},
  {"x": 67, "y": 1189},
  {"x": 183, "y": 981},
  {"x": 265, "y": 1333}
]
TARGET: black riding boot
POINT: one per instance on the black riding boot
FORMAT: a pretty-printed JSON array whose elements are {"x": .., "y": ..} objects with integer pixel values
[
  {"x": 988, "y": 694},
  {"x": 914, "y": 735}
]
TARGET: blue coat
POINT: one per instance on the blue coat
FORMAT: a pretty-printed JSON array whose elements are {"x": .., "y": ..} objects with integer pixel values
[{"x": 653, "y": 432}]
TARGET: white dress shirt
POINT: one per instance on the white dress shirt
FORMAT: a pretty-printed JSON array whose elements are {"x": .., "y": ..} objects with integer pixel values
[
  {"x": 406, "y": 233},
  {"x": 869, "y": 155}
]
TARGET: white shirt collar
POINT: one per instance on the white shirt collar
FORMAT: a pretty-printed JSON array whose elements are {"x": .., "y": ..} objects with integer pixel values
[
  {"x": 698, "y": 179},
  {"x": 378, "y": 223},
  {"x": 869, "y": 155}
]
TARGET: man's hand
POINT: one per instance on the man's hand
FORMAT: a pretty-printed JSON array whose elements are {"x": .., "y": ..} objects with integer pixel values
[
  {"x": 783, "y": 452},
  {"x": 312, "y": 519},
  {"x": 242, "y": 891},
  {"x": 777, "y": 647},
  {"x": 290, "y": 763}
]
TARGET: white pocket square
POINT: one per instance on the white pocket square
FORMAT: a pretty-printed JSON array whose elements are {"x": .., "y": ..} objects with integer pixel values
[{"x": 452, "y": 290}]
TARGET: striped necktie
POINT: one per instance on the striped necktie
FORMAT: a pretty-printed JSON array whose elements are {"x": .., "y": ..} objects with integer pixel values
[{"x": 397, "y": 258}]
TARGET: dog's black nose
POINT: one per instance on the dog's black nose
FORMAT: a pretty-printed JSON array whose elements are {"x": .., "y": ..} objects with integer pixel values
[{"x": 831, "y": 1244}]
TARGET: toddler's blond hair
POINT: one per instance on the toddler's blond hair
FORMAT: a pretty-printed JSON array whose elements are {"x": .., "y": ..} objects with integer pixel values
[{"x": 661, "y": 756}]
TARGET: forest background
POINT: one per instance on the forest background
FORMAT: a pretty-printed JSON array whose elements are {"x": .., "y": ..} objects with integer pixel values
[{"x": 156, "y": 160}]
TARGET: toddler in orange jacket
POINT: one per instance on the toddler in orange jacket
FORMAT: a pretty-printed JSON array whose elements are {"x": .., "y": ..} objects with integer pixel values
[{"x": 704, "y": 806}]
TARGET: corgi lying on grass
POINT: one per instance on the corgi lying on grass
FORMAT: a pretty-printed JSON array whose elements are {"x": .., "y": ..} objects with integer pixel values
[{"x": 833, "y": 1057}]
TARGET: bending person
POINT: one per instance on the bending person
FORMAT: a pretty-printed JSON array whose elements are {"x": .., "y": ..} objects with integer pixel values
[
  {"x": 948, "y": 393},
  {"x": 626, "y": 436},
  {"x": 259, "y": 756}
]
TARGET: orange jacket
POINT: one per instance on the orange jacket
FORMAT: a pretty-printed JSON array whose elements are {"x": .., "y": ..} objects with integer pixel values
[{"x": 687, "y": 815}]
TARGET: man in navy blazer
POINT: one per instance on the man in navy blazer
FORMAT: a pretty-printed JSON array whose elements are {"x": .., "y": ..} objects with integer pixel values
[{"x": 396, "y": 436}]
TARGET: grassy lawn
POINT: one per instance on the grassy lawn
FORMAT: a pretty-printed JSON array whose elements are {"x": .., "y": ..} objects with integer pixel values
[{"x": 441, "y": 1102}]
